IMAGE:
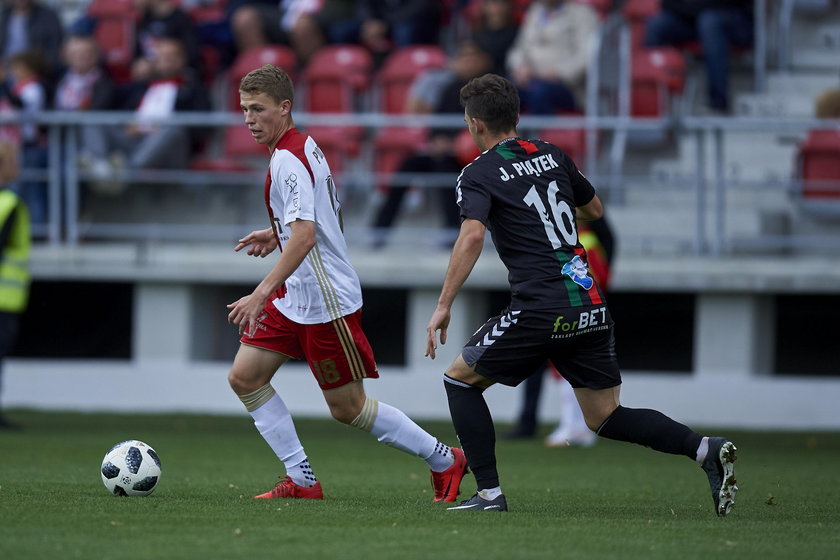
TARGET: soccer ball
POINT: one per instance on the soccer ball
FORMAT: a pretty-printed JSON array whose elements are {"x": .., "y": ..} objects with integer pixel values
[{"x": 131, "y": 468}]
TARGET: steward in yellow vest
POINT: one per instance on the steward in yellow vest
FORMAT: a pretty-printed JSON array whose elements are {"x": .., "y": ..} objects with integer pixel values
[
  {"x": 15, "y": 240},
  {"x": 14, "y": 253}
]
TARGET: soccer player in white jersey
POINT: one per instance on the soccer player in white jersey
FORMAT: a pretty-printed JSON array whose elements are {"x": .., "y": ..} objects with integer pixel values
[{"x": 309, "y": 305}]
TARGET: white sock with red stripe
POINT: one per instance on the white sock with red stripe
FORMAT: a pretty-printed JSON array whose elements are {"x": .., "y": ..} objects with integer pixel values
[
  {"x": 391, "y": 426},
  {"x": 275, "y": 424}
]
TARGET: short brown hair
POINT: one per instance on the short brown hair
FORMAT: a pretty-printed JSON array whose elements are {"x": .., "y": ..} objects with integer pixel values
[
  {"x": 270, "y": 80},
  {"x": 494, "y": 100}
]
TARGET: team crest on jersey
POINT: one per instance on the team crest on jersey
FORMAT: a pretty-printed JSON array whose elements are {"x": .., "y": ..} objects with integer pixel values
[{"x": 577, "y": 270}]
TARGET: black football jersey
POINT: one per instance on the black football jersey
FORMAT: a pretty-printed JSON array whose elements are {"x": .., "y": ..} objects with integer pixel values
[{"x": 525, "y": 193}]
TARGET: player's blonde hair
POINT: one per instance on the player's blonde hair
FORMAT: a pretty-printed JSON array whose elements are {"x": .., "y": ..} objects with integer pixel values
[{"x": 270, "y": 80}]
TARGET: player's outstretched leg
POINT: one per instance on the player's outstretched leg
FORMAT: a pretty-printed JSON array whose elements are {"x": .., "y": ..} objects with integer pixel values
[
  {"x": 391, "y": 426},
  {"x": 720, "y": 468},
  {"x": 655, "y": 430}
]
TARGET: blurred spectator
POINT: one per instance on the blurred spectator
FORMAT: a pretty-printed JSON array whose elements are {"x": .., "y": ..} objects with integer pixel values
[
  {"x": 25, "y": 93},
  {"x": 717, "y": 24},
  {"x": 146, "y": 143},
  {"x": 26, "y": 25},
  {"x": 307, "y": 23},
  {"x": 549, "y": 59},
  {"x": 827, "y": 104},
  {"x": 256, "y": 25},
  {"x": 84, "y": 85},
  {"x": 162, "y": 19},
  {"x": 496, "y": 31},
  {"x": 439, "y": 156},
  {"x": 382, "y": 25},
  {"x": 246, "y": 24},
  {"x": 15, "y": 240}
]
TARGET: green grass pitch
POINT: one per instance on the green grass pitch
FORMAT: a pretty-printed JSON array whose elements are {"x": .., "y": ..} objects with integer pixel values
[{"x": 611, "y": 501}]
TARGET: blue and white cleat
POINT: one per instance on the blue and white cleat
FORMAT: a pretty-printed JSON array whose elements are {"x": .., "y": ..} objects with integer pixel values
[{"x": 719, "y": 467}]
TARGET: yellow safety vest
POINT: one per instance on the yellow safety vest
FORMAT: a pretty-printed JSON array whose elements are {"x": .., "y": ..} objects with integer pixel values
[{"x": 14, "y": 263}]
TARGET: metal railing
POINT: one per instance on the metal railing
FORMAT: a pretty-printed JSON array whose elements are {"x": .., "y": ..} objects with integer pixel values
[{"x": 64, "y": 178}]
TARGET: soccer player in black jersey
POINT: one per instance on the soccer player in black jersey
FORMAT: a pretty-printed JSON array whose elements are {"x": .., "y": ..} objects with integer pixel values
[{"x": 529, "y": 193}]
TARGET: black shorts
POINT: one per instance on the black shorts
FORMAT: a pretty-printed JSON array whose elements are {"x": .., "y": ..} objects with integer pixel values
[{"x": 578, "y": 340}]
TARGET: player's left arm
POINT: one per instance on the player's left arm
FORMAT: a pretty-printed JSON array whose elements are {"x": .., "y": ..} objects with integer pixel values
[
  {"x": 592, "y": 210},
  {"x": 245, "y": 310},
  {"x": 465, "y": 253},
  {"x": 588, "y": 206}
]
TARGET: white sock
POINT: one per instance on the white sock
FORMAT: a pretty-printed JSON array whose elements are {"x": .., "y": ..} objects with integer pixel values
[
  {"x": 391, "y": 426},
  {"x": 275, "y": 425},
  {"x": 490, "y": 494},
  {"x": 702, "y": 451}
]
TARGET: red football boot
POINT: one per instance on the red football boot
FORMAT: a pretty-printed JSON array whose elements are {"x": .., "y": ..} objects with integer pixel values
[
  {"x": 447, "y": 483},
  {"x": 288, "y": 489}
]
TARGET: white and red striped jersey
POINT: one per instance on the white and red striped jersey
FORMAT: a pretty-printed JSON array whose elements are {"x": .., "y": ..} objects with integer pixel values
[{"x": 299, "y": 186}]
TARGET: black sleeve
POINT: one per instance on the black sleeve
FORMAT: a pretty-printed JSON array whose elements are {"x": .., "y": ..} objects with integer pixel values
[
  {"x": 473, "y": 199},
  {"x": 582, "y": 189}
]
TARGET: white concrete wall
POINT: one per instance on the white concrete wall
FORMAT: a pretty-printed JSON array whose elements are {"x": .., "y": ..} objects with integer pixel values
[
  {"x": 704, "y": 399},
  {"x": 730, "y": 385}
]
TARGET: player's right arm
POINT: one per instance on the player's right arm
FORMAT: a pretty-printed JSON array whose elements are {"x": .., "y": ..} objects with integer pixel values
[
  {"x": 260, "y": 243},
  {"x": 245, "y": 310},
  {"x": 465, "y": 253}
]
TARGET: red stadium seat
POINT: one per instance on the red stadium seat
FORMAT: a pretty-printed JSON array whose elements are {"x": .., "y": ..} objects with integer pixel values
[
  {"x": 278, "y": 55},
  {"x": 570, "y": 140},
  {"x": 819, "y": 165},
  {"x": 637, "y": 13},
  {"x": 238, "y": 148},
  {"x": 399, "y": 71},
  {"x": 208, "y": 12},
  {"x": 334, "y": 77},
  {"x": 116, "y": 21},
  {"x": 393, "y": 145},
  {"x": 465, "y": 147},
  {"x": 339, "y": 144},
  {"x": 656, "y": 75}
]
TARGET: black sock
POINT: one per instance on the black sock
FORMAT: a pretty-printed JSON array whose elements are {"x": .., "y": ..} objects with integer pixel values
[
  {"x": 474, "y": 427},
  {"x": 651, "y": 429}
]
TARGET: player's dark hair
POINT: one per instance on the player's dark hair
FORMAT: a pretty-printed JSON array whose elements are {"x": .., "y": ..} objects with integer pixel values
[
  {"x": 494, "y": 100},
  {"x": 270, "y": 80}
]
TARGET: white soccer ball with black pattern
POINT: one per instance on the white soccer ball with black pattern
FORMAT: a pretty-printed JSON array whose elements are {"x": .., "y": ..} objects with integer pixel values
[{"x": 131, "y": 468}]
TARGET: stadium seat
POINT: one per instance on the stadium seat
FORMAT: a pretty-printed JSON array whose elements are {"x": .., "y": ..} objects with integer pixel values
[
  {"x": 818, "y": 165},
  {"x": 637, "y": 12},
  {"x": 238, "y": 149},
  {"x": 339, "y": 144},
  {"x": 278, "y": 55},
  {"x": 570, "y": 140},
  {"x": 334, "y": 78},
  {"x": 657, "y": 75},
  {"x": 392, "y": 145},
  {"x": 114, "y": 32},
  {"x": 399, "y": 71},
  {"x": 207, "y": 12},
  {"x": 465, "y": 147}
]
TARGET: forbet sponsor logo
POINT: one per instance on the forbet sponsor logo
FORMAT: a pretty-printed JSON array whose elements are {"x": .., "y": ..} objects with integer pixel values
[{"x": 587, "y": 321}]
